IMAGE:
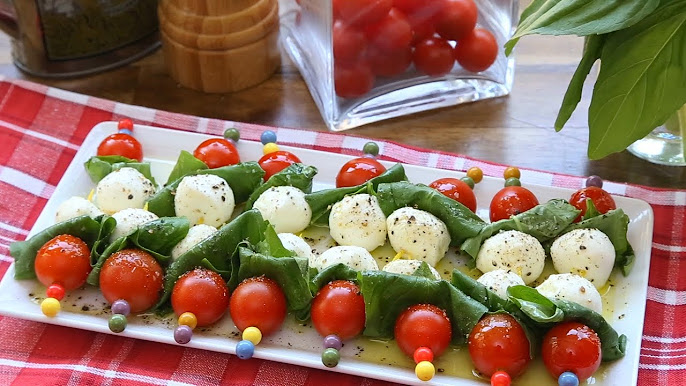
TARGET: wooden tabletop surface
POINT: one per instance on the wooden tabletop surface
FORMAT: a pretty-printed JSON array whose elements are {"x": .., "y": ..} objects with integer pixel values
[{"x": 513, "y": 130}]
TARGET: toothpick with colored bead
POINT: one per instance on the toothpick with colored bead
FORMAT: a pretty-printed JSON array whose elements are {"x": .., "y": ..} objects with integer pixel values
[
  {"x": 125, "y": 126},
  {"x": 120, "y": 310},
  {"x": 50, "y": 306},
  {"x": 268, "y": 139},
  {"x": 251, "y": 336},
  {"x": 184, "y": 331},
  {"x": 232, "y": 135},
  {"x": 423, "y": 357}
]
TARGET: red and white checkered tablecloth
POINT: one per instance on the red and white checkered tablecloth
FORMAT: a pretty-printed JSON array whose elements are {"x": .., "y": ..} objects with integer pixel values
[{"x": 41, "y": 129}]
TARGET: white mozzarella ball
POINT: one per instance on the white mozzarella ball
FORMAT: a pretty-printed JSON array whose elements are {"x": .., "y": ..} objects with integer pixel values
[
  {"x": 195, "y": 235},
  {"x": 75, "y": 207},
  {"x": 204, "y": 199},
  {"x": 123, "y": 188},
  {"x": 128, "y": 220},
  {"x": 296, "y": 244},
  {"x": 419, "y": 235},
  {"x": 285, "y": 208},
  {"x": 572, "y": 288},
  {"x": 407, "y": 267},
  {"x": 512, "y": 251},
  {"x": 356, "y": 258},
  {"x": 499, "y": 281},
  {"x": 588, "y": 253},
  {"x": 358, "y": 220}
]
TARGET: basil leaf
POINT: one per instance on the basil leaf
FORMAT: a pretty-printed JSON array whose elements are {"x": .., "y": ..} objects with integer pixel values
[
  {"x": 642, "y": 80},
  {"x": 424, "y": 271},
  {"x": 100, "y": 166},
  {"x": 339, "y": 271},
  {"x": 185, "y": 165},
  {"x": 296, "y": 175}
]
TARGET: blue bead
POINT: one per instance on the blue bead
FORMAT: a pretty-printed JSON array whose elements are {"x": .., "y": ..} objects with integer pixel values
[
  {"x": 268, "y": 136},
  {"x": 125, "y": 131},
  {"x": 245, "y": 349},
  {"x": 568, "y": 379}
]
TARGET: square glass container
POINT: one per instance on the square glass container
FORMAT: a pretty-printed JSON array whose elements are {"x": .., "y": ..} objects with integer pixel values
[{"x": 307, "y": 33}]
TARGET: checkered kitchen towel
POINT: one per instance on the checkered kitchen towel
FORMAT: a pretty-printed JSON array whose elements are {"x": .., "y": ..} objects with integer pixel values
[{"x": 40, "y": 130}]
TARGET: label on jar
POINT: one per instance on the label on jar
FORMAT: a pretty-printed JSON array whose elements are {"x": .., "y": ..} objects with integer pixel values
[{"x": 74, "y": 29}]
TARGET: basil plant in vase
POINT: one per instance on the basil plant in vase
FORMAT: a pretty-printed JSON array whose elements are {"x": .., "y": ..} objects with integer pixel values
[{"x": 641, "y": 45}]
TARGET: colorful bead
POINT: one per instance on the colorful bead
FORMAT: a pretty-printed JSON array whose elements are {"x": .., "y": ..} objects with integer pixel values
[
  {"x": 121, "y": 307},
  {"x": 500, "y": 378},
  {"x": 232, "y": 134},
  {"x": 331, "y": 357},
  {"x": 268, "y": 136},
  {"x": 270, "y": 148},
  {"x": 245, "y": 349},
  {"x": 333, "y": 341},
  {"x": 188, "y": 319},
  {"x": 568, "y": 379},
  {"x": 511, "y": 171},
  {"x": 125, "y": 124},
  {"x": 469, "y": 181},
  {"x": 183, "y": 334},
  {"x": 425, "y": 370},
  {"x": 253, "y": 334},
  {"x": 371, "y": 148},
  {"x": 50, "y": 307},
  {"x": 423, "y": 354},
  {"x": 594, "y": 181},
  {"x": 513, "y": 181},
  {"x": 117, "y": 323},
  {"x": 126, "y": 131},
  {"x": 475, "y": 174},
  {"x": 55, "y": 291}
]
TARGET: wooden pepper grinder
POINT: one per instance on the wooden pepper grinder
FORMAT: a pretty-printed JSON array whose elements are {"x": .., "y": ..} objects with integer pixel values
[{"x": 220, "y": 46}]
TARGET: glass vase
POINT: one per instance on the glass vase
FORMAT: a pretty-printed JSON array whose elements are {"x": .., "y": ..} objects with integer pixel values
[{"x": 665, "y": 145}]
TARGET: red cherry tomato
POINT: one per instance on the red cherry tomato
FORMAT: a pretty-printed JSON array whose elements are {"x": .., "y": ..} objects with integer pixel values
[
  {"x": 349, "y": 43},
  {"x": 602, "y": 200},
  {"x": 456, "y": 189},
  {"x": 258, "y": 302},
  {"x": 423, "y": 325},
  {"x": 202, "y": 292},
  {"x": 498, "y": 342},
  {"x": 217, "y": 152},
  {"x": 476, "y": 51},
  {"x": 353, "y": 80},
  {"x": 65, "y": 260},
  {"x": 571, "y": 346},
  {"x": 358, "y": 171},
  {"x": 123, "y": 145},
  {"x": 338, "y": 309},
  {"x": 361, "y": 12},
  {"x": 456, "y": 19},
  {"x": 422, "y": 27},
  {"x": 433, "y": 56},
  {"x": 392, "y": 33},
  {"x": 389, "y": 63},
  {"x": 408, "y": 6},
  {"x": 276, "y": 161},
  {"x": 511, "y": 200},
  {"x": 132, "y": 275}
]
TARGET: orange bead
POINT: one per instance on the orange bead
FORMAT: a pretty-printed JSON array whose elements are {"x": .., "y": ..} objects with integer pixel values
[
  {"x": 511, "y": 171},
  {"x": 475, "y": 174}
]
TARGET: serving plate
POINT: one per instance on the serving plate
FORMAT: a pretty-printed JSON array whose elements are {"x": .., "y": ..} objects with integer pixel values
[{"x": 299, "y": 344}]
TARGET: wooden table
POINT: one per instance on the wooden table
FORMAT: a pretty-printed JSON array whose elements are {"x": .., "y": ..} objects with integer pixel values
[{"x": 514, "y": 130}]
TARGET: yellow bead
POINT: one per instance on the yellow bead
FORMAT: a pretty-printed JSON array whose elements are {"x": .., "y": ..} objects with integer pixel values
[
  {"x": 476, "y": 174},
  {"x": 425, "y": 370},
  {"x": 252, "y": 334},
  {"x": 50, "y": 307},
  {"x": 270, "y": 148},
  {"x": 188, "y": 319},
  {"x": 511, "y": 171}
]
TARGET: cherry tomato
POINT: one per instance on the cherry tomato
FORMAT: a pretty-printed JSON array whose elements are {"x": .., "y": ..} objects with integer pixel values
[
  {"x": 602, "y": 200},
  {"x": 358, "y": 171},
  {"x": 338, "y": 309},
  {"x": 123, "y": 145},
  {"x": 498, "y": 342},
  {"x": 423, "y": 325},
  {"x": 132, "y": 275},
  {"x": 65, "y": 260},
  {"x": 389, "y": 63},
  {"x": 422, "y": 27},
  {"x": 361, "y": 12},
  {"x": 456, "y": 189},
  {"x": 476, "y": 51},
  {"x": 353, "y": 80},
  {"x": 392, "y": 33},
  {"x": 217, "y": 152},
  {"x": 349, "y": 43},
  {"x": 258, "y": 302},
  {"x": 276, "y": 161},
  {"x": 457, "y": 19},
  {"x": 571, "y": 346},
  {"x": 408, "y": 6},
  {"x": 202, "y": 292},
  {"x": 433, "y": 56},
  {"x": 511, "y": 200}
]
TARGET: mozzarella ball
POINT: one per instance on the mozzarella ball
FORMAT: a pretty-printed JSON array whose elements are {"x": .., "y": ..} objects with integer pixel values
[
  {"x": 195, "y": 235},
  {"x": 128, "y": 220},
  {"x": 75, "y": 207},
  {"x": 499, "y": 281},
  {"x": 358, "y": 220},
  {"x": 285, "y": 208},
  {"x": 512, "y": 251},
  {"x": 407, "y": 267},
  {"x": 356, "y": 258},
  {"x": 419, "y": 235},
  {"x": 572, "y": 288},
  {"x": 204, "y": 199},
  {"x": 296, "y": 245},
  {"x": 588, "y": 253},
  {"x": 123, "y": 188}
]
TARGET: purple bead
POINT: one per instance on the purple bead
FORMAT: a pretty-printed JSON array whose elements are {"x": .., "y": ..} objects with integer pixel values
[
  {"x": 594, "y": 181},
  {"x": 333, "y": 341},
  {"x": 125, "y": 131},
  {"x": 121, "y": 307},
  {"x": 183, "y": 334}
]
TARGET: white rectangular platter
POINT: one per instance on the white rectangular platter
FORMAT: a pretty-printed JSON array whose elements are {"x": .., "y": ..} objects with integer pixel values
[{"x": 301, "y": 345}]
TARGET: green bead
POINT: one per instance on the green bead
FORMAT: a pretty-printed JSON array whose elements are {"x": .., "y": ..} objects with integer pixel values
[
  {"x": 371, "y": 148},
  {"x": 330, "y": 357},
  {"x": 232, "y": 134},
  {"x": 513, "y": 181},
  {"x": 469, "y": 181},
  {"x": 117, "y": 323}
]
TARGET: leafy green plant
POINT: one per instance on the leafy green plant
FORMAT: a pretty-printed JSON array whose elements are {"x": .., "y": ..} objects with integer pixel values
[{"x": 641, "y": 45}]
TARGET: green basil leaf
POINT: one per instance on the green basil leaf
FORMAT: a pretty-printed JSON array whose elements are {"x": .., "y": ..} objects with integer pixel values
[
  {"x": 424, "y": 271},
  {"x": 296, "y": 175},
  {"x": 185, "y": 165},
  {"x": 98, "y": 167},
  {"x": 591, "y": 210},
  {"x": 339, "y": 271}
]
